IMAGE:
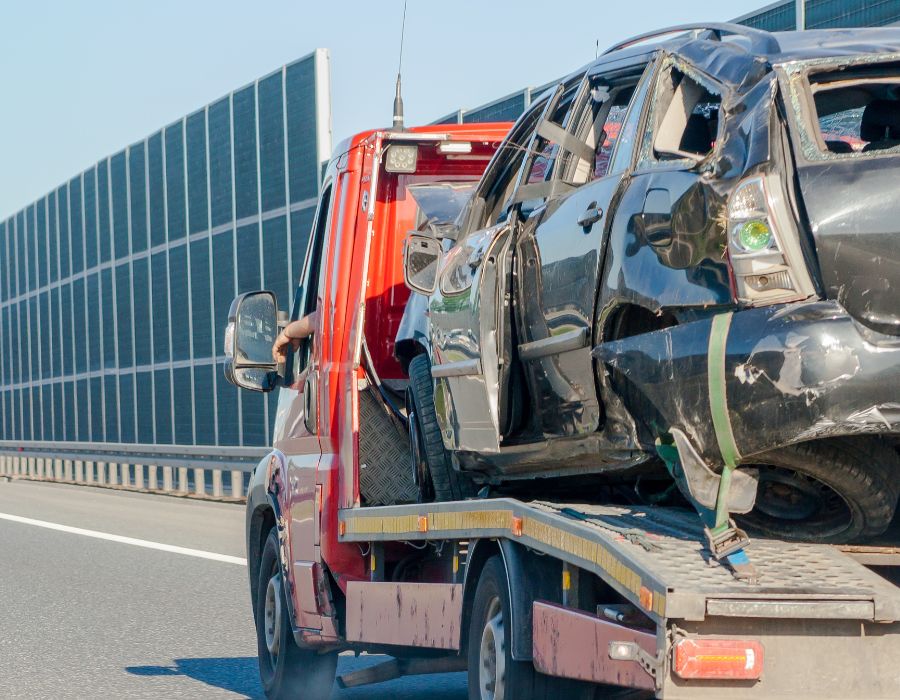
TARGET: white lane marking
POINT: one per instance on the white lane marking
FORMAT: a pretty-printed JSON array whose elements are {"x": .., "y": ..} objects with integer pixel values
[{"x": 227, "y": 558}]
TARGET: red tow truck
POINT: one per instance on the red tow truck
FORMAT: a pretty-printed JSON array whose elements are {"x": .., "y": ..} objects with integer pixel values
[{"x": 535, "y": 598}]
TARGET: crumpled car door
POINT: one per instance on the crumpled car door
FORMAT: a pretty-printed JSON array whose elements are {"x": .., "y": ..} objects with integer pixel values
[{"x": 469, "y": 327}]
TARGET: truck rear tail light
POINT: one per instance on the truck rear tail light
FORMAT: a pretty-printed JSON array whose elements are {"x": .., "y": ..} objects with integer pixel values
[
  {"x": 728, "y": 659},
  {"x": 763, "y": 244}
]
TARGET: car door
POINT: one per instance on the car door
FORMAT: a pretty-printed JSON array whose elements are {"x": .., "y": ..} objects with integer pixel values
[
  {"x": 665, "y": 249},
  {"x": 560, "y": 245},
  {"x": 469, "y": 310}
]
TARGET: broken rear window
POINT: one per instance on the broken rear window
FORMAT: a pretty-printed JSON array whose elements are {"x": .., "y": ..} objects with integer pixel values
[{"x": 854, "y": 111}]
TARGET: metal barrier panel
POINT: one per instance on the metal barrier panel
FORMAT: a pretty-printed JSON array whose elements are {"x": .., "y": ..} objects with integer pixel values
[{"x": 190, "y": 471}]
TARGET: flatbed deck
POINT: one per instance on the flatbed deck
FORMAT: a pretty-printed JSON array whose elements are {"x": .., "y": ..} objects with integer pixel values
[{"x": 657, "y": 558}]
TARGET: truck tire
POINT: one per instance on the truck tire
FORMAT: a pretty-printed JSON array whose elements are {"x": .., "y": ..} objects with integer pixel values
[
  {"x": 436, "y": 478},
  {"x": 493, "y": 674},
  {"x": 831, "y": 491},
  {"x": 286, "y": 670}
]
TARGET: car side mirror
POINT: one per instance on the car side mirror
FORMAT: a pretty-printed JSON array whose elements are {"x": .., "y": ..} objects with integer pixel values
[
  {"x": 421, "y": 255},
  {"x": 249, "y": 336}
]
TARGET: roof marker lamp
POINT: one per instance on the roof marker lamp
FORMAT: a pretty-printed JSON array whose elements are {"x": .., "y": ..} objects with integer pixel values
[
  {"x": 454, "y": 147},
  {"x": 401, "y": 158}
]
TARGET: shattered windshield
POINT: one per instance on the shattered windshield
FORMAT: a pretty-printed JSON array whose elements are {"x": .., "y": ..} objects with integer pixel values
[{"x": 441, "y": 202}]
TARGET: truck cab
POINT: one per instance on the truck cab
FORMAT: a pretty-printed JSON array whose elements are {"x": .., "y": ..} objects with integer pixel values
[{"x": 340, "y": 437}]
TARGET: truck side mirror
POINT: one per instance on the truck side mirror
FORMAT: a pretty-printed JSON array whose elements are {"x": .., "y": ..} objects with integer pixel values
[
  {"x": 421, "y": 256},
  {"x": 249, "y": 336}
]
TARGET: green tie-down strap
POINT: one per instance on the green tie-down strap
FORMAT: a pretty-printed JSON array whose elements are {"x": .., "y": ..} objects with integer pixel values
[{"x": 718, "y": 405}]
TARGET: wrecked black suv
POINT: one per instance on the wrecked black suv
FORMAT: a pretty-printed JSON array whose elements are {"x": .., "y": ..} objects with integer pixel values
[{"x": 692, "y": 244}]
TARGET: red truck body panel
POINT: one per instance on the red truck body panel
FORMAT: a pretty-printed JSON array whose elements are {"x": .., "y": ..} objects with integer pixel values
[{"x": 360, "y": 290}]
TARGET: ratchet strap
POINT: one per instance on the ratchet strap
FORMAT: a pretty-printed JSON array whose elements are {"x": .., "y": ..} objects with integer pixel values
[{"x": 726, "y": 540}]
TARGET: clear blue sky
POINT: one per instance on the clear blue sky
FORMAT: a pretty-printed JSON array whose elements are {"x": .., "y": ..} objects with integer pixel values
[{"x": 81, "y": 80}]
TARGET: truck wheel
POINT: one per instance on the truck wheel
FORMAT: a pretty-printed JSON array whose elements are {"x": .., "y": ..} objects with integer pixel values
[
  {"x": 831, "y": 491},
  {"x": 436, "y": 478},
  {"x": 286, "y": 670},
  {"x": 493, "y": 674}
]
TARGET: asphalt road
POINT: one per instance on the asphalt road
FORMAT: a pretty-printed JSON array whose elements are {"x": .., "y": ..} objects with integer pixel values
[{"x": 82, "y": 617}]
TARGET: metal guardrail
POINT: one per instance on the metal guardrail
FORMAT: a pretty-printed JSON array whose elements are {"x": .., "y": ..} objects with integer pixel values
[{"x": 202, "y": 471}]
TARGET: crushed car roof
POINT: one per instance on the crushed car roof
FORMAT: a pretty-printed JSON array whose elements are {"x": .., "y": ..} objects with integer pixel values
[{"x": 729, "y": 51}]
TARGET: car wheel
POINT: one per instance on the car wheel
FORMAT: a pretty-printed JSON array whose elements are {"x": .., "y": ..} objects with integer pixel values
[
  {"x": 831, "y": 491},
  {"x": 493, "y": 673},
  {"x": 436, "y": 478},
  {"x": 286, "y": 670}
]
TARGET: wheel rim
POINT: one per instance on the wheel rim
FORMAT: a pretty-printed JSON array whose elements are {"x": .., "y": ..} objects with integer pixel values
[
  {"x": 272, "y": 616},
  {"x": 789, "y": 499},
  {"x": 492, "y": 656}
]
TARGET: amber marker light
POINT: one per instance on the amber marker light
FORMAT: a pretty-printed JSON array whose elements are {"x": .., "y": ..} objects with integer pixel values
[
  {"x": 726, "y": 659},
  {"x": 517, "y": 525}
]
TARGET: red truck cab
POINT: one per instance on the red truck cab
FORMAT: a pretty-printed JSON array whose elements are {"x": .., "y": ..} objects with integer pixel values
[{"x": 319, "y": 462}]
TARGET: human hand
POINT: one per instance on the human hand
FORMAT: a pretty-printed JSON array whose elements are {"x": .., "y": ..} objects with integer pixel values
[{"x": 281, "y": 345}]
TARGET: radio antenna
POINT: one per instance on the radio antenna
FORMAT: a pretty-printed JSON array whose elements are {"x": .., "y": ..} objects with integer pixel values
[{"x": 398, "y": 98}]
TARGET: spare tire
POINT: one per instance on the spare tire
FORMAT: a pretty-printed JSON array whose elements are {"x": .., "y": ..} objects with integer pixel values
[{"x": 833, "y": 491}]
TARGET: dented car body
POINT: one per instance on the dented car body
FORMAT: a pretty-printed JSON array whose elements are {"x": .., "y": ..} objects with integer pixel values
[{"x": 697, "y": 237}]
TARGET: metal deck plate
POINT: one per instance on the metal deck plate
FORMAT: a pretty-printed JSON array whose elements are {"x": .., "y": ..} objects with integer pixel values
[
  {"x": 669, "y": 544},
  {"x": 656, "y": 558}
]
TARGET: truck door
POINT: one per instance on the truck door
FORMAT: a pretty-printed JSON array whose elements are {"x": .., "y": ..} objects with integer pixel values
[
  {"x": 470, "y": 310},
  {"x": 295, "y": 435},
  {"x": 567, "y": 191}
]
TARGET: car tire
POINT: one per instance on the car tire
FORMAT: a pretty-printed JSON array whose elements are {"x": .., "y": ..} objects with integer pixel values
[
  {"x": 832, "y": 491},
  {"x": 493, "y": 674},
  {"x": 436, "y": 478},
  {"x": 285, "y": 670}
]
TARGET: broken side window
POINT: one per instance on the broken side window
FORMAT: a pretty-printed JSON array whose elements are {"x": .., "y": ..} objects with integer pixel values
[
  {"x": 684, "y": 122},
  {"x": 846, "y": 107},
  {"x": 598, "y": 125},
  {"x": 545, "y": 149},
  {"x": 857, "y": 113}
]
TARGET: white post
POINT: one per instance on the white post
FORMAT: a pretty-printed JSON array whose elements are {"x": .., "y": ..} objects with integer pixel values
[
  {"x": 183, "y": 479},
  {"x": 152, "y": 482},
  {"x": 167, "y": 479},
  {"x": 138, "y": 476},
  {"x": 199, "y": 481},
  {"x": 217, "y": 483},
  {"x": 800, "y": 9},
  {"x": 237, "y": 483}
]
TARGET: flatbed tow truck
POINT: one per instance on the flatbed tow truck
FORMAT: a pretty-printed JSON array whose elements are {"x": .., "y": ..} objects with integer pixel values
[
  {"x": 816, "y": 624},
  {"x": 535, "y": 598}
]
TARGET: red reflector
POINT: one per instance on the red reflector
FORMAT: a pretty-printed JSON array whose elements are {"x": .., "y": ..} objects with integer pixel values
[{"x": 718, "y": 658}]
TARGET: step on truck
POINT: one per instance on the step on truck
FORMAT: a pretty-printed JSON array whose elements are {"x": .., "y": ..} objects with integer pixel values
[{"x": 534, "y": 598}]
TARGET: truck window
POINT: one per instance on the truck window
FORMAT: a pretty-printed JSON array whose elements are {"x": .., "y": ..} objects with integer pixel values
[{"x": 305, "y": 297}]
